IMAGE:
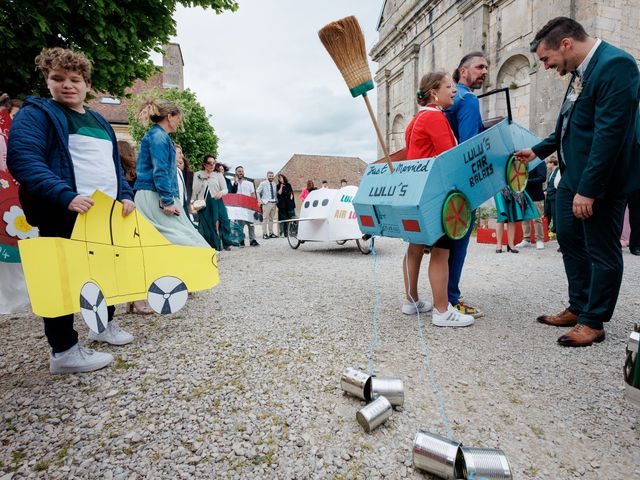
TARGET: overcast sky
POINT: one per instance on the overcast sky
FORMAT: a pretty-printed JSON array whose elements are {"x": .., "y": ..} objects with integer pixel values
[{"x": 269, "y": 84}]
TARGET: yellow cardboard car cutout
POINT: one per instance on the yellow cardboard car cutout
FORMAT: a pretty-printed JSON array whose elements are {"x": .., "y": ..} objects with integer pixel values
[{"x": 112, "y": 259}]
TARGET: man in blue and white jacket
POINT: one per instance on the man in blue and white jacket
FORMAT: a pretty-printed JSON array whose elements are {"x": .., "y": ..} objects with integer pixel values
[{"x": 466, "y": 122}]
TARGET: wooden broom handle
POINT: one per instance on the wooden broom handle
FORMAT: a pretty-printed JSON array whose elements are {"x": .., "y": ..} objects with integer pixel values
[{"x": 379, "y": 133}]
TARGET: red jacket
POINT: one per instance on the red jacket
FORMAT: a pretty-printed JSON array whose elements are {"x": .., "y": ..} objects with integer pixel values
[{"x": 428, "y": 134}]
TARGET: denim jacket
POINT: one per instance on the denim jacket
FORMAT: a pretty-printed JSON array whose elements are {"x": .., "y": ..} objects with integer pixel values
[{"x": 156, "y": 165}]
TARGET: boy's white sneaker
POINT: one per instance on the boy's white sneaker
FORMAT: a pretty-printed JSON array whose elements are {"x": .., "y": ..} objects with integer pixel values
[
  {"x": 451, "y": 318},
  {"x": 409, "y": 308},
  {"x": 524, "y": 244},
  {"x": 112, "y": 334},
  {"x": 78, "y": 359},
  {"x": 539, "y": 245}
]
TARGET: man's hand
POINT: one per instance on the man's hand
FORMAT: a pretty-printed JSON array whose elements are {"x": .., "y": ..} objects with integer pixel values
[
  {"x": 127, "y": 207},
  {"x": 218, "y": 196},
  {"x": 582, "y": 206},
  {"x": 525, "y": 155},
  {"x": 80, "y": 204}
]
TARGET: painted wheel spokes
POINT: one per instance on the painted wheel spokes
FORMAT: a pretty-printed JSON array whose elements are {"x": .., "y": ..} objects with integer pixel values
[
  {"x": 155, "y": 289},
  {"x": 456, "y": 215},
  {"x": 167, "y": 295},
  {"x": 93, "y": 307},
  {"x": 179, "y": 288},
  {"x": 517, "y": 174},
  {"x": 84, "y": 303},
  {"x": 166, "y": 307}
]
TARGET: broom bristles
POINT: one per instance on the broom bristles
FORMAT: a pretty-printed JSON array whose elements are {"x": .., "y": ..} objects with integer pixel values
[{"x": 344, "y": 41}]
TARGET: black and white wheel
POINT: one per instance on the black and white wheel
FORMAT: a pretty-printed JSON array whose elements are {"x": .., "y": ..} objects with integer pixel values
[
  {"x": 167, "y": 295},
  {"x": 364, "y": 245},
  {"x": 93, "y": 307},
  {"x": 341, "y": 242},
  {"x": 292, "y": 235}
]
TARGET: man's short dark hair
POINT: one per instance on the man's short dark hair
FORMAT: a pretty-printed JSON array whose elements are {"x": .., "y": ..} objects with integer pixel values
[
  {"x": 239, "y": 166},
  {"x": 466, "y": 63},
  {"x": 555, "y": 30}
]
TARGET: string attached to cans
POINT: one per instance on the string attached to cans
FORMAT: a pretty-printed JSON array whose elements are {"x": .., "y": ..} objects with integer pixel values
[
  {"x": 441, "y": 456},
  {"x": 427, "y": 358},
  {"x": 376, "y": 289}
]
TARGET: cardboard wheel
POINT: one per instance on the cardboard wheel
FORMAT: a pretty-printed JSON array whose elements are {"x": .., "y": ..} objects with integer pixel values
[
  {"x": 93, "y": 307},
  {"x": 292, "y": 235},
  {"x": 456, "y": 215},
  {"x": 517, "y": 174},
  {"x": 167, "y": 295}
]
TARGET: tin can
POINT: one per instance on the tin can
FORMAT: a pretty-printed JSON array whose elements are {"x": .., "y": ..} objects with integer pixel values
[
  {"x": 634, "y": 341},
  {"x": 438, "y": 455},
  {"x": 485, "y": 463},
  {"x": 632, "y": 368},
  {"x": 356, "y": 383},
  {"x": 374, "y": 414},
  {"x": 391, "y": 388}
]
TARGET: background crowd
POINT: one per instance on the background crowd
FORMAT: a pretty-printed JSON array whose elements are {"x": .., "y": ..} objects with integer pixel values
[{"x": 61, "y": 152}]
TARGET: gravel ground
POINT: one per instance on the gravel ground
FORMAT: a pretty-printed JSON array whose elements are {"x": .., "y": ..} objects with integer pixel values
[{"x": 244, "y": 381}]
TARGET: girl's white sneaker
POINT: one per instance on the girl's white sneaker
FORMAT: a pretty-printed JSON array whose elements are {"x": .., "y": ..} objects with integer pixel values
[
  {"x": 451, "y": 318},
  {"x": 411, "y": 308}
]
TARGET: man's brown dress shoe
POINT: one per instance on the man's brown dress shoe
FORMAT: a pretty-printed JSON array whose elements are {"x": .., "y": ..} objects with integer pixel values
[
  {"x": 581, "y": 336},
  {"x": 564, "y": 319}
]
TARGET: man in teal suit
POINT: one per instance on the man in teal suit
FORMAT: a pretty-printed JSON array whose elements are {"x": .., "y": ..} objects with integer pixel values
[{"x": 596, "y": 138}]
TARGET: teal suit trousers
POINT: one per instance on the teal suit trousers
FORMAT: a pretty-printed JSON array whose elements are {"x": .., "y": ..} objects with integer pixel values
[{"x": 592, "y": 256}]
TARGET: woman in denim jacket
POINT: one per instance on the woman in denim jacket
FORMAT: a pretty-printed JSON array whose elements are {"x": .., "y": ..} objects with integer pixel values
[{"x": 156, "y": 183}]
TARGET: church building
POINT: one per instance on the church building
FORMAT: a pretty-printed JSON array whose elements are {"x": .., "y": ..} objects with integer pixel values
[{"x": 418, "y": 36}]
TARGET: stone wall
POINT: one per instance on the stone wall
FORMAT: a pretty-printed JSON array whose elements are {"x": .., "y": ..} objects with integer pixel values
[{"x": 416, "y": 37}]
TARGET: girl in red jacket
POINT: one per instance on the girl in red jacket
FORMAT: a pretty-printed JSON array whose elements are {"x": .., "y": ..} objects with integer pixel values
[{"x": 428, "y": 135}]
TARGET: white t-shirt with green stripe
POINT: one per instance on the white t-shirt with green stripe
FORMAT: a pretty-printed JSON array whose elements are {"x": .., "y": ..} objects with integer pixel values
[{"x": 92, "y": 154}]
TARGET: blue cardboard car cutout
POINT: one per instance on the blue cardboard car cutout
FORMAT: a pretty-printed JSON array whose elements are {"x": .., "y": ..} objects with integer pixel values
[{"x": 425, "y": 199}]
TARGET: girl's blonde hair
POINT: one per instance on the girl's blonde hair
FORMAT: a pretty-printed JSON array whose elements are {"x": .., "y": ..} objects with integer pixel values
[
  {"x": 156, "y": 109},
  {"x": 429, "y": 83}
]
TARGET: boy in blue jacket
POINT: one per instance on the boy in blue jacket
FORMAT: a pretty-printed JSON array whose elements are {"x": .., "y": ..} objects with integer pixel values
[{"x": 61, "y": 152}]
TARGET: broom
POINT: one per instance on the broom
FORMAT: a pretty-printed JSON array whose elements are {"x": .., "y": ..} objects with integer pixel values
[{"x": 344, "y": 41}]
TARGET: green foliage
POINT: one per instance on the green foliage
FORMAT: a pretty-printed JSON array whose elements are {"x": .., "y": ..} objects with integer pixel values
[
  {"x": 196, "y": 135},
  {"x": 116, "y": 35}
]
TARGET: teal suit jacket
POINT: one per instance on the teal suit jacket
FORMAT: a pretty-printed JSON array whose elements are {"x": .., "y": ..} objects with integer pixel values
[{"x": 600, "y": 144}]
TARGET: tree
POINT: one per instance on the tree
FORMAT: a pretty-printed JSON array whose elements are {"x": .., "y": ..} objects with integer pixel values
[
  {"x": 196, "y": 135},
  {"x": 116, "y": 35}
]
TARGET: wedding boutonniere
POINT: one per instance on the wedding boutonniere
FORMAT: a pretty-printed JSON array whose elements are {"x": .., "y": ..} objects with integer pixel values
[{"x": 577, "y": 86}]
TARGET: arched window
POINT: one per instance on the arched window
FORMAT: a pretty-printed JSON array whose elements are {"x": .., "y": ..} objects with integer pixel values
[
  {"x": 397, "y": 134},
  {"x": 514, "y": 75}
]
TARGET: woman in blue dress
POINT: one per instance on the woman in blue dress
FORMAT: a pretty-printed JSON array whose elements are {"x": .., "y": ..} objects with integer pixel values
[{"x": 512, "y": 207}]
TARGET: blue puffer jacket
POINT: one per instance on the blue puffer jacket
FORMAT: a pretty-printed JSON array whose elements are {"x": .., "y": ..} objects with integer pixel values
[
  {"x": 38, "y": 157},
  {"x": 156, "y": 165}
]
